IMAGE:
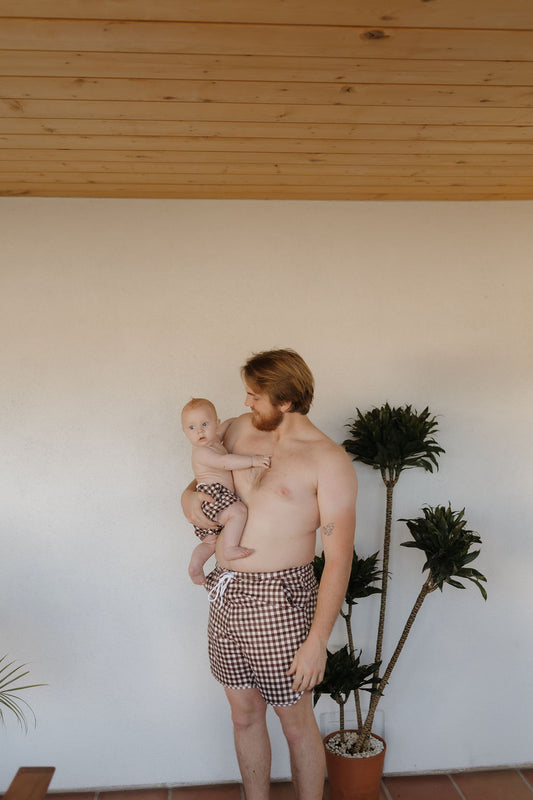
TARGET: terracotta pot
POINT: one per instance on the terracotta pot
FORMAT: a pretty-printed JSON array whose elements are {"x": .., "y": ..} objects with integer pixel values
[{"x": 354, "y": 778}]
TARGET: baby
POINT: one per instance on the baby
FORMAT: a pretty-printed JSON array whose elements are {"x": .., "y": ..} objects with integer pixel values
[{"x": 212, "y": 465}]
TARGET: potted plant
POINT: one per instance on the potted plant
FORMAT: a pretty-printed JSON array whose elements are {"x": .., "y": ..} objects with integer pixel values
[
  {"x": 10, "y": 677},
  {"x": 391, "y": 440},
  {"x": 361, "y": 583}
]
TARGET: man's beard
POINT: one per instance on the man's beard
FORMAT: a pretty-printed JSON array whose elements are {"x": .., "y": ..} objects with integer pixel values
[{"x": 269, "y": 423}]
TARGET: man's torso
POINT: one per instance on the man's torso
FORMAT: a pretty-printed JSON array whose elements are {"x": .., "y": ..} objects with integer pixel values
[{"x": 282, "y": 502}]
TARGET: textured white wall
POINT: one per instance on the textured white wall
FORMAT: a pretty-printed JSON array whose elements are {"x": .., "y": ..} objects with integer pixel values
[{"x": 113, "y": 314}]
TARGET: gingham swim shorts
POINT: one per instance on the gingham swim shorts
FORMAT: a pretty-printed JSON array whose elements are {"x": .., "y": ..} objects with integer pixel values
[
  {"x": 257, "y": 621},
  {"x": 222, "y": 498}
]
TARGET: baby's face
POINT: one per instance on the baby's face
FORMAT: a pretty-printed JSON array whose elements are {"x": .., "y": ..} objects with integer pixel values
[{"x": 200, "y": 426}]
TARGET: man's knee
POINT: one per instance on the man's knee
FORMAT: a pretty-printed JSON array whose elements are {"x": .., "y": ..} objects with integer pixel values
[
  {"x": 297, "y": 721},
  {"x": 247, "y": 707},
  {"x": 293, "y": 729}
]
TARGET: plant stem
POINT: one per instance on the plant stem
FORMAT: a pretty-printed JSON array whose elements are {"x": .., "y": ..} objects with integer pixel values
[
  {"x": 347, "y": 617},
  {"x": 341, "y": 719},
  {"x": 389, "y": 484},
  {"x": 358, "y": 711},
  {"x": 362, "y": 742}
]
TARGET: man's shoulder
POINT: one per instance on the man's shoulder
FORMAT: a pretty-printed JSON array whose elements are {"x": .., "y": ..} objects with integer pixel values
[
  {"x": 334, "y": 451},
  {"x": 324, "y": 442},
  {"x": 236, "y": 428},
  {"x": 243, "y": 421},
  {"x": 331, "y": 456},
  {"x": 323, "y": 451}
]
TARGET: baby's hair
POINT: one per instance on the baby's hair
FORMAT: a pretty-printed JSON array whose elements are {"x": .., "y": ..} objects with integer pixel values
[{"x": 198, "y": 402}]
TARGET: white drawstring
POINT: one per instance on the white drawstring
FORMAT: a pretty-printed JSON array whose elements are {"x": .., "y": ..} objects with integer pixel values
[{"x": 217, "y": 592}]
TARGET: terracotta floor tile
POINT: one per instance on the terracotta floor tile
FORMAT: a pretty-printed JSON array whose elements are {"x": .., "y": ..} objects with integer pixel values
[
  {"x": 221, "y": 791},
  {"x": 282, "y": 791},
  {"x": 492, "y": 785},
  {"x": 382, "y": 795},
  {"x": 506, "y": 784},
  {"x": 527, "y": 773},
  {"x": 134, "y": 794},
  {"x": 421, "y": 787},
  {"x": 71, "y": 795}
]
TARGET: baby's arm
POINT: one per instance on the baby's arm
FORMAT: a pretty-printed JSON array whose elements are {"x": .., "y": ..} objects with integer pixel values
[{"x": 231, "y": 461}]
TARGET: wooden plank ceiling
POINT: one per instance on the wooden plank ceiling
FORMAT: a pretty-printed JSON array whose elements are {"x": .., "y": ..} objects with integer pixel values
[{"x": 287, "y": 99}]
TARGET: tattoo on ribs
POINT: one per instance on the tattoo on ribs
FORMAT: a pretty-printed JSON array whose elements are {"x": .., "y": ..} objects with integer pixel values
[{"x": 327, "y": 530}]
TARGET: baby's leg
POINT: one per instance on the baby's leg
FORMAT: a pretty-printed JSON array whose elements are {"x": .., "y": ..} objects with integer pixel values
[
  {"x": 233, "y": 518},
  {"x": 200, "y": 555}
]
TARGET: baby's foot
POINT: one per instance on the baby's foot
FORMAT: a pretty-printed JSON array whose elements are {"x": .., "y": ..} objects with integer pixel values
[
  {"x": 196, "y": 575},
  {"x": 232, "y": 553}
]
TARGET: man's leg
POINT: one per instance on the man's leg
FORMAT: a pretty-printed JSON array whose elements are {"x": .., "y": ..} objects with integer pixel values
[
  {"x": 252, "y": 745},
  {"x": 308, "y": 761}
]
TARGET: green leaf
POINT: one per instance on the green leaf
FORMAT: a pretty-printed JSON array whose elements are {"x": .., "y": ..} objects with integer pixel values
[
  {"x": 446, "y": 542},
  {"x": 343, "y": 674},
  {"x": 455, "y": 583},
  {"x": 363, "y": 574},
  {"x": 394, "y": 439},
  {"x": 9, "y": 698}
]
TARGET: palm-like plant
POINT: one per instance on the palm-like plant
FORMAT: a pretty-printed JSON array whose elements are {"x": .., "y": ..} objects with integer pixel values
[
  {"x": 442, "y": 534},
  {"x": 11, "y": 676},
  {"x": 343, "y": 674},
  {"x": 363, "y": 576},
  {"x": 392, "y": 440}
]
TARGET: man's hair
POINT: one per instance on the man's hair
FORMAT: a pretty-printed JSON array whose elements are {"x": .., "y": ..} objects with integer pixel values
[
  {"x": 198, "y": 402},
  {"x": 283, "y": 375}
]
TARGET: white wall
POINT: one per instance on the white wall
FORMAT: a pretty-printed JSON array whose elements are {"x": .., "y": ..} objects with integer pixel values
[{"x": 113, "y": 314}]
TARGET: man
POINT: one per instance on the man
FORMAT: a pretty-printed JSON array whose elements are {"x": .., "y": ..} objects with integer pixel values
[{"x": 267, "y": 642}]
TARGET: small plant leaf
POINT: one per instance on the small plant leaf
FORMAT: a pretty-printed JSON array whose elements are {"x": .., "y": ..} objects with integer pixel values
[
  {"x": 394, "y": 439},
  {"x": 9, "y": 698},
  {"x": 443, "y": 537}
]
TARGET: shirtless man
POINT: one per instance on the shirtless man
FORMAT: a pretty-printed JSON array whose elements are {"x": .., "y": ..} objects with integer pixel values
[{"x": 311, "y": 484}]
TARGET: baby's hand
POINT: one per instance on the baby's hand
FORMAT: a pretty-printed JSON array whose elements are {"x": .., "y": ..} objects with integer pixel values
[{"x": 261, "y": 461}]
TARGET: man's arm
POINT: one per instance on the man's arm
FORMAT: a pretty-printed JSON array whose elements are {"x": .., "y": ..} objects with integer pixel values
[
  {"x": 222, "y": 427},
  {"x": 336, "y": 493},
  {"x": 191, "y": 503}
]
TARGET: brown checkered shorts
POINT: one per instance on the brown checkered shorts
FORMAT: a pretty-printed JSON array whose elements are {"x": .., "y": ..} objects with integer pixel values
[
  {"x": 257, "y": 621},
  {"x": 222, "y": 498}
]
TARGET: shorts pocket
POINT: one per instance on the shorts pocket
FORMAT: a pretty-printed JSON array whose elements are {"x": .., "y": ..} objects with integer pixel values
[{"x": 296, "y": 594}]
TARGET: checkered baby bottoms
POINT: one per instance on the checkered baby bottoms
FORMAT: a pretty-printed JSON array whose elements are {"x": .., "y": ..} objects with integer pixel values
[
  {"x": 257, "y": 621},
  {"x": 222, "y": 498}
]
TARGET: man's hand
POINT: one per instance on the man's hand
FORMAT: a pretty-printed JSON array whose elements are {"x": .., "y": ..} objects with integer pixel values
[
  {"x": 308, "y": 665},
  {"x": 191, "y": 502}
]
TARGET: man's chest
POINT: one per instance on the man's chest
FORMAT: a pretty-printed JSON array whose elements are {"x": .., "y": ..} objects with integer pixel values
[{"x": 292, "y": 474}]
